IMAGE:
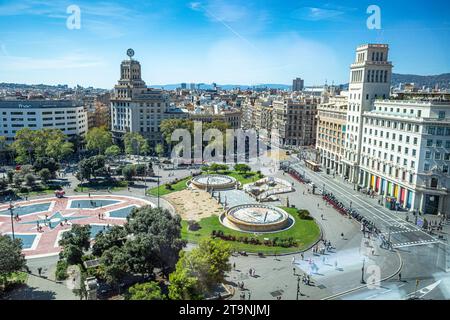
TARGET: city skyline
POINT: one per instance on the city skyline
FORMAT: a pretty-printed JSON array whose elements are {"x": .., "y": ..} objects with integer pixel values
[{"x": 213, "y": 41}]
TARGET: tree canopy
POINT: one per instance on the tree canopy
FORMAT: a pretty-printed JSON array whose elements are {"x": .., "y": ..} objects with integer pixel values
[
  {"x": 145, "y": 291},
  {"x": 30, "y": 145},
  {"x": 200, "y": 270},
  {"x": 135, "y": 144},
  {"x": 11, "y": 257},
  {"x": 92, "y": 167},
  {"x": 98, "y": 139}
]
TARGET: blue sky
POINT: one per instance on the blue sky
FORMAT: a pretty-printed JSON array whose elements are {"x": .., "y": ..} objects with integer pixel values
[{"x": 223, "y": 41}]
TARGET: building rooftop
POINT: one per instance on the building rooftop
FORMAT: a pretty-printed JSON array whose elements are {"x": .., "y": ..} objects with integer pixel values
[{"x": 38, "y": 104}]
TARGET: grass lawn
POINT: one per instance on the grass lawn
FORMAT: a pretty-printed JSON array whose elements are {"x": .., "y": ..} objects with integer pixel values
[
  {"x": 103, "y": 185},
  {"x": 243, "y": 178},
  {"x": 39, "y": 190},
  {"x": 305, "y": 232},
  {"x": 180, "y": 185}
]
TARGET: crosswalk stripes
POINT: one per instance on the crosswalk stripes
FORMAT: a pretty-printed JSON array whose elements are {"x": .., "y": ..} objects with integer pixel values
[{"x": 414, "y": 243}]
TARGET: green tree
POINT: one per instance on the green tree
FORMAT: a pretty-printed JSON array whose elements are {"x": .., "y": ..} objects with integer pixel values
[
  {"x": 10, "y": 176},
  {"x": 145, "y": 291},
  {"x": 30, "y": 180},
  {"x": 72, "y": 254},
  {"x": 92, "y": 167},
  {"x": 215, "y": 167},
  {"x": 128, "y": 172},
  {"x": 159, "y": 149},
  {"x": 168, "y": 126},
  {"x": 59, "y": 149},
  {"x": 183, "y": 284},
  {"x": 112, "y": 151},
  {"x": 209, "y": 262},
  {"x": 46, "y": 163},
  {"x": 74, "y": 242},
  {"x": 115, "y": 265},
  {"x": 113, "y": 237},
  {"x": 11, "y": 257},
  {"x": 98, "y": 139},
  {"x": 45, "y": 175},
  {"x": 135, "y": 144},
  {"x": 156, "y": 239},
  {"x": 241, "y": 167},
  {"x": 24, "y": 145},
  {"x": 17, "y": 180},
  {"x": 30, "y": 145}
]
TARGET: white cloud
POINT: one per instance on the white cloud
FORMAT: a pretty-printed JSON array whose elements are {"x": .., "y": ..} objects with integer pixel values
[{"x": 316, "y": 14}]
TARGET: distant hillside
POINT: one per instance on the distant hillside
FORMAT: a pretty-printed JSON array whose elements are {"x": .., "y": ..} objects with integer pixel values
[{"x": 443, "y": 80}]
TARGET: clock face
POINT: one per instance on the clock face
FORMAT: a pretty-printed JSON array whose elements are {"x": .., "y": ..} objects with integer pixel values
[{"x": 130, "y": 52}]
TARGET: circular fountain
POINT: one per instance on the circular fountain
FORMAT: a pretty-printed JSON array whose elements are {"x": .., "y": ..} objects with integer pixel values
[
  {"x": 214, "y": 181},
  {"x": 259, "y": 218}
]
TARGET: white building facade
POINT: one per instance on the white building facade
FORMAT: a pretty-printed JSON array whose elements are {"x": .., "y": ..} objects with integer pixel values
[
  {"x": 405, "y": 153},
  {"x": 68, "y": 116}
]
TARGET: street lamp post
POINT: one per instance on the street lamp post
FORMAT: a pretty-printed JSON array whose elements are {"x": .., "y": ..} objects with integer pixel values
[
  {"x": 157, "y": 189},
  {"x": 362, "y": 272},
  {"x": 298, "y": 283},
  {"x": 12, "y": 219}
]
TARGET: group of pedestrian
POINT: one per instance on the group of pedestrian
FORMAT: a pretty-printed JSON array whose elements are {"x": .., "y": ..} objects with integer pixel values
[
  {"x": 242, "y": 295},
  {"x": 101, "y": 216},
  {"x": 240, "y": 285},
  {"x": 306, "y": 279}
]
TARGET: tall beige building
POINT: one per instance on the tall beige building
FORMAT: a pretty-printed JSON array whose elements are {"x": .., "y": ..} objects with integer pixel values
[
  {"x": 136, "y": 108},
  {"x": 331, "y": 127}
]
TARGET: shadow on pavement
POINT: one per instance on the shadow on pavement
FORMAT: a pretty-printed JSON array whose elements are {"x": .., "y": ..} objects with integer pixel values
[{"x": 30, "y": 293}]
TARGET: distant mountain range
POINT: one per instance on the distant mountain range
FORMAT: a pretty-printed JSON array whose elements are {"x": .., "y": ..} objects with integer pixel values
[{"x": 443, "y": 80}]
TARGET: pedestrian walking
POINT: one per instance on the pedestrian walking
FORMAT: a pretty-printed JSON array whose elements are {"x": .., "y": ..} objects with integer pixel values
[
  {"x": 400, "y": 277},
  {"x": 342, "y": 235}
]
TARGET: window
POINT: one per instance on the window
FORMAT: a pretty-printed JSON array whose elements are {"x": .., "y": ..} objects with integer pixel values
[
  {"x": 429, "y": 143},
  {"x": 437, "y": 156},
  {"x": 428, "y": 155},
  {"x": 438, "y": 143},
  {"x": 441, "y": 114},
  {"x": 431, "y": 130},
  {"x": 426, "y": 167}
]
